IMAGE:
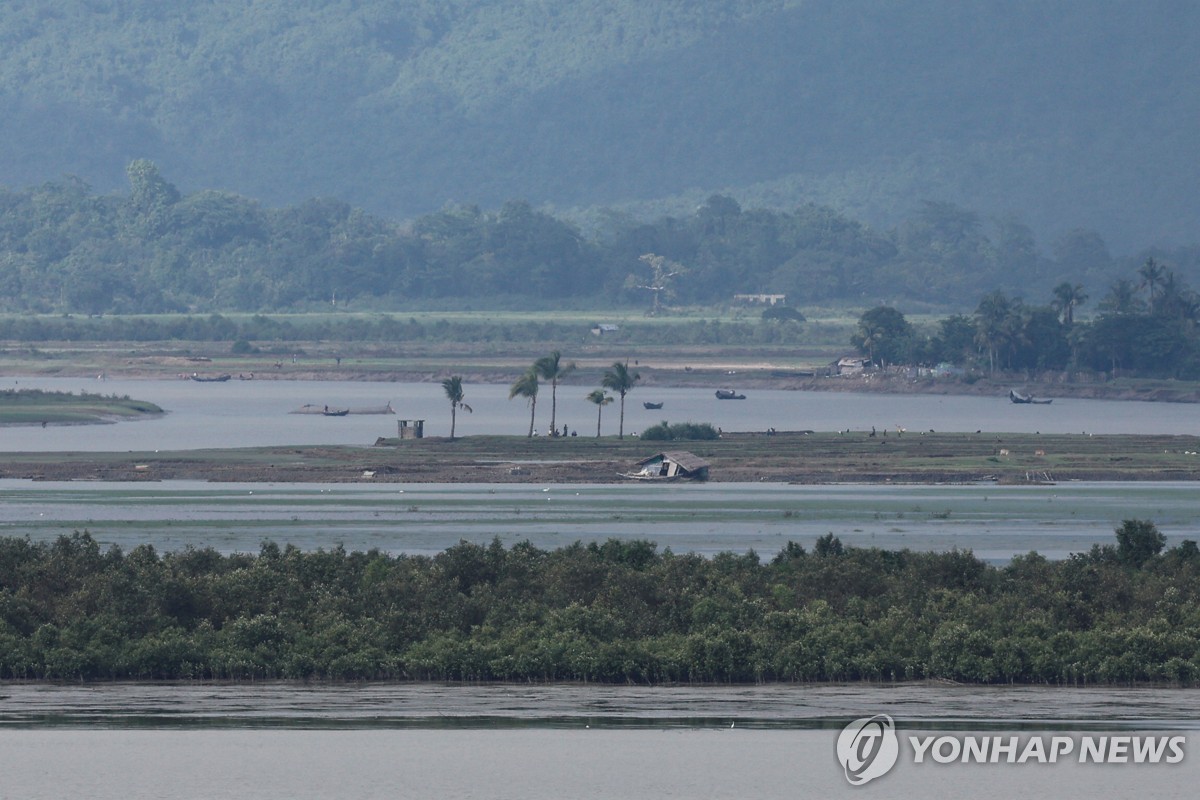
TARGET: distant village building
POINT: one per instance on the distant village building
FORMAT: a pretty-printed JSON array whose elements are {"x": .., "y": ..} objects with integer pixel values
[
  {"x": 851, "y": 365},
  {"x": 604, "y": 329},
  {"x": 760, "y": 299}
]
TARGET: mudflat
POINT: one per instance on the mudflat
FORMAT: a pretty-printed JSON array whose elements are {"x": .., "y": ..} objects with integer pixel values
[{"x": 783, "y": 456}]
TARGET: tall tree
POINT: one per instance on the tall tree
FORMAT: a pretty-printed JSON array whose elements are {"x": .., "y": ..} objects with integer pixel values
[
  {"x": 992, "y": 317},
  {"x": 1121, "y": 299},
  {"x": 663, "y": 272},
  {"x": 454, "y": 393},
  {"x": 883, "y": 332},
  {"x": 601, "y": 398},
  {"x": 1153, "y": 275},
  {"x": 551, "y": 368},
  {"x": 621, "y": 381},
  {"x": 1068, "y": 297},
  {"x": 526, "y": 386}
]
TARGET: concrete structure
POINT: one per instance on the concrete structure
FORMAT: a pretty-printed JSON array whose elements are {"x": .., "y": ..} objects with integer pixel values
[{"x": 411, "y": 428}]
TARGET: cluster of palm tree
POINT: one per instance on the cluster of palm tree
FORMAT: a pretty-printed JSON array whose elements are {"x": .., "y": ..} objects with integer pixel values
[
  {"x": 549, "y": 368},
  {"x": 552, "y": 368}
]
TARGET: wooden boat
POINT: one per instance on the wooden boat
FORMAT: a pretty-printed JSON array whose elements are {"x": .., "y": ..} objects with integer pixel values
[
  {"x": 312, "y": 408},
  {"x": 1023, "y": 399},
  {"x": 651, "y": 406},
  {"x": 729, "y": 394},
  {"x": 210, "y": 379}
]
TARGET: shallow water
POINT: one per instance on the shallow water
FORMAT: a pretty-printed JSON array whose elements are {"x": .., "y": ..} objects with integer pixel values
[
  {"x": 197, "y": 740},
  {"x": 255, "y": 413},
  {"x": 934, "y": 706},
  {"x": 995, "y": 522}
]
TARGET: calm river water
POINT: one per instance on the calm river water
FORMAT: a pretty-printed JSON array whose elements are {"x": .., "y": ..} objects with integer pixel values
[
  {"x": 254, "y": 413},
  {"x": 304, "y": 741},
  {"x": 133, "y": 741}
]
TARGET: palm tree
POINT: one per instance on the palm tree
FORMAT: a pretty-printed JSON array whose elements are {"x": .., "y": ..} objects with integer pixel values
[
  {"x": 1067, "y": 297},
  {"x": 601, "y": 398},
  {"x": 994, "y": 310},
  {"x": 454, "y": 393},
  {"x": 1121, "y": 299},
  {"x": 1153, "y": 276},
  {"x": 552, "y": 369},
  {"x": 621, "y": 381},
  {"x": 526, "y": 386}
]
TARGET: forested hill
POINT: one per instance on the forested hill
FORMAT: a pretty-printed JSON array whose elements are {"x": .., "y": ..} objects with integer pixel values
[{"x": 1068, "y": 114}]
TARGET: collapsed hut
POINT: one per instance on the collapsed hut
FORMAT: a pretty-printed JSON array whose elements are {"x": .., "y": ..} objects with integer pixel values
[{"x": 675, "y": 465}]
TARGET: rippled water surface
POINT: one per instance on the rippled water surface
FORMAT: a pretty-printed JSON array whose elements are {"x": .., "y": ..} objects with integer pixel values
[{"x": 296, "y": 741}]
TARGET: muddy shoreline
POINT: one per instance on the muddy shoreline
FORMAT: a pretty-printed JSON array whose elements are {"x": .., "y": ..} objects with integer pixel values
[{"x": 787, "y": 457}]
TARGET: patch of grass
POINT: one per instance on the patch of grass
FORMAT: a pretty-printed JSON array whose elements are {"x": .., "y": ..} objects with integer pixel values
[{"x": 32, "y": 406}]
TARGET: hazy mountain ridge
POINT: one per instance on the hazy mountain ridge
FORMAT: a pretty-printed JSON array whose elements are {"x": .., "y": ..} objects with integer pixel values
[{"x": 1070, "y": 115}]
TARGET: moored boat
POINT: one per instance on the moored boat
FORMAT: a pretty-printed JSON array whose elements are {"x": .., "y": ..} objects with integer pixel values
[{"x": 729, "y": 394}]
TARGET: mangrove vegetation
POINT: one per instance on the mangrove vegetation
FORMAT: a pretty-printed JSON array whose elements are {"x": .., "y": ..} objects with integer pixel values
[{"x": 620, "y": 612}]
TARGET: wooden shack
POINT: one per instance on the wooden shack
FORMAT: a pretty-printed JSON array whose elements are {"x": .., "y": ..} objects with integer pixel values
[{"x": 671, "y": 466}]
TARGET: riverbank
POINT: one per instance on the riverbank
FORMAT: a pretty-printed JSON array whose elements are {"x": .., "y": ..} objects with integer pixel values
[
  {"x": 798, "y": 457},
  {"x": 36, "y": 407},
  {"x": 677, "y": 367}
]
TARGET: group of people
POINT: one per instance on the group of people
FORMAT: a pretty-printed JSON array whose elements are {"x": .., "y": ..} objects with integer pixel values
[{"x": 555, "y": 432}]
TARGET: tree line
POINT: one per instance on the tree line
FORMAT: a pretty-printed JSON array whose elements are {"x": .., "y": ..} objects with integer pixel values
[
  {"x": 65, "y": 249},
  {"x": 617, "y": 611},
  {"x": 1147, "y": 325}
]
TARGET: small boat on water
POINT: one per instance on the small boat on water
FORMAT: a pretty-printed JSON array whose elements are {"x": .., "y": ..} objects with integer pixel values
[
  {"x": 651, "y": 406},
  {"x": 729, "y": 394},
  {"x": 1024, "y": 399},
  {"x": 335, "y": 412},
  {"x": 312, "y": 408},
  {"x": 210, "y": 378}
]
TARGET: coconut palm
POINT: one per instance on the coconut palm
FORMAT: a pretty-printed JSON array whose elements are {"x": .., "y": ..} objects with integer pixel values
[
  {"x": 1121, "y": 299},
  {"x": 454, "y": 393},
  {"x": 1067, "y": 297},
  {"x": 601, "y": 398},
  {"x": 551, "y": 368},
  {"x": 526, "y": 386},
  {"x": 621, "y": 381},
  {"x": 994, "y": 311},
  {"x": 1153, "y": 276}
]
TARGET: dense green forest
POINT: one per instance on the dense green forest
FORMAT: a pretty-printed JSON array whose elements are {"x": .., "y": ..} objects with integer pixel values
[
  {"x": 65, "y": 248},
  {"x": 1073, "y": 114},
  {"x": 621, "y": 611},
  {"x": 1148, "y": 325}
]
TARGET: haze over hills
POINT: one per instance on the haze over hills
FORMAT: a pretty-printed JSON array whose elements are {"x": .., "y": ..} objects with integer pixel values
[{"x": 1066, "y": 115}]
